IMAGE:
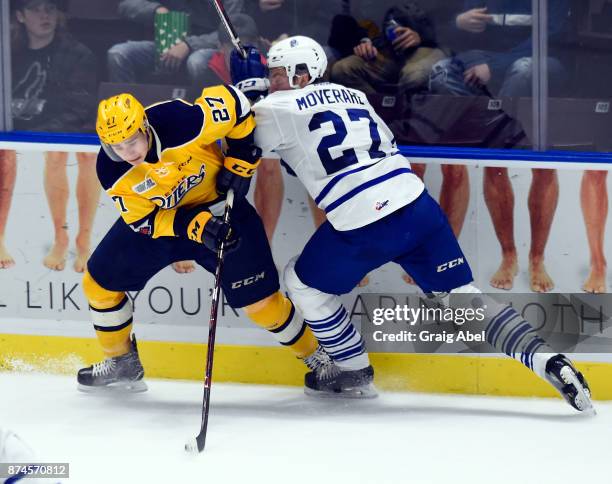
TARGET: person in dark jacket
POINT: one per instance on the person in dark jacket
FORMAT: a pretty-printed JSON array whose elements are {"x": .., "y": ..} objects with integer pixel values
[
  {"x": 54, "y": 83},
  {"x": 131, "y": 61},
  {"x": 54, "y": 76},
  {"x": 403, "y": 54},
  {"x": 497, "y": 35}
]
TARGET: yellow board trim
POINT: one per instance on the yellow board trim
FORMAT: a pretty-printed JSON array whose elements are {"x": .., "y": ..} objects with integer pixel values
[{"x": 278, "y": 366}]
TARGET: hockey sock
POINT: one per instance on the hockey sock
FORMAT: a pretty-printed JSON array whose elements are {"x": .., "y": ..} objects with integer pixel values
[
  {"x": 329, "y": 321},
  {"x": 115, "y": 342},
  {"x": 507, "y": 331},
  {"x": 338, "y": 336},
  {"x": 111, "y": 313},
  {"x": 277, "y": 314}
]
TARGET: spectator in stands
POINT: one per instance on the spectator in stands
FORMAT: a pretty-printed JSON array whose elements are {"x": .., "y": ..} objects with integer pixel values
[
  {"x": 8, "y": 173},
  {"x": 134, "y": 61},
  {"x": 594, "y": 201},
  {"x": 502, "y": 63},
  {"x": 505, "y": 68},
  {"x": 370, "y": 10},
  {"x": 405, "y": 53},
  {"x": 358, "y": 19},
  {"x": 53, "y": 90},
  {"x": 53, "y": 74}
]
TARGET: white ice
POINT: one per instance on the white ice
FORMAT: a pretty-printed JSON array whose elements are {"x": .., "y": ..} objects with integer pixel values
[{"x": 278, "y": 435}]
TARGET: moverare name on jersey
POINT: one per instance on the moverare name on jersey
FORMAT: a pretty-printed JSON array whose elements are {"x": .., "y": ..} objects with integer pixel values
[{"x": 329, "y": 96}]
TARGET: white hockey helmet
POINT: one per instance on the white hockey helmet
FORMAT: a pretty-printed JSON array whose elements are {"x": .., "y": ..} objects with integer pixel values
[{"x": 296, "y": 51}]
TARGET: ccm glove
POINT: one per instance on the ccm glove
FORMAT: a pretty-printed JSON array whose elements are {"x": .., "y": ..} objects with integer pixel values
[
  {"x": 199, "y": 225},
  {"x": 236, "y": 174}
]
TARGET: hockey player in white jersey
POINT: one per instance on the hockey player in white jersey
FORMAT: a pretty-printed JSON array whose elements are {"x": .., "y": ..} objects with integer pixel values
[
  {"x": 14, "y": 450},
  {"x": 378, "y": 211}
]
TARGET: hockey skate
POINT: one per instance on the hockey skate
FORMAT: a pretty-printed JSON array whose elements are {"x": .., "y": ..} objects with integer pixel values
[
  {"x": 327, "y": 380},
  {"x": 123, "y": 372},
  {"x": 570, "y": 383}
]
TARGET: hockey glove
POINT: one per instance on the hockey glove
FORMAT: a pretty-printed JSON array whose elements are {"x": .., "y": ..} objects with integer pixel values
[
  {"x": 250, "y": 75},
  {"x": 199, "y": 225},
  {"x": 236, "y": 174},
  {"x": 217, "y": 231}
]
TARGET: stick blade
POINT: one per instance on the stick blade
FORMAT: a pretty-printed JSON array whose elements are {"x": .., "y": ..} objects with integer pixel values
[{"x": 192, "y": 446}]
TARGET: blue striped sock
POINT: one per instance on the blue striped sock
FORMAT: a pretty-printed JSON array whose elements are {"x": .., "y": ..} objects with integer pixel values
[{"x": 340, "y": 339}]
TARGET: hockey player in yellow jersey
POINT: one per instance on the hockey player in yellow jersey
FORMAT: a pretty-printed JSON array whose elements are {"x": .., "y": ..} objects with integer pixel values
[{"x": 163, "y": 168}]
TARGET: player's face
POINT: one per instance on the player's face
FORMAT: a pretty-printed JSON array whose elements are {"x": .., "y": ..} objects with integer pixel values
[
  {"x": 40, "y": 19},
  {"x": 134, "y": 149},
  {"x": 279, "y": 81}
]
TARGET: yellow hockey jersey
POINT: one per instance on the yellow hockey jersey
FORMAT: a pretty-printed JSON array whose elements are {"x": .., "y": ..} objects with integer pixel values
[{"x": 184, "y": 158}]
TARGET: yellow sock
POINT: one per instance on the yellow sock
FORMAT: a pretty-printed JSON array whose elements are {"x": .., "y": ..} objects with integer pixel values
[
  {"x": 277, "y": 314},
  {"x": 111, "y": 312},
  {"x": 115, "y": 343}
]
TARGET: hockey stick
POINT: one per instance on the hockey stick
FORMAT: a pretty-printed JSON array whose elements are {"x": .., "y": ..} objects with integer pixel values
[
  {"x": 197, "y": 444},
  {"x": 227, "y": 23}
]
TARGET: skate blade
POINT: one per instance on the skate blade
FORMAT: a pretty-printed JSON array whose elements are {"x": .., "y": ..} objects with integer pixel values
[
  {"x": 363, "y": 392},
  {"x": 583, "y": 399},
  {"x": 119, "y": 387}
]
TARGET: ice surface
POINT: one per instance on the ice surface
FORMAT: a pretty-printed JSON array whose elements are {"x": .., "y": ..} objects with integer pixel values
[{"x": 278, "y": 435}]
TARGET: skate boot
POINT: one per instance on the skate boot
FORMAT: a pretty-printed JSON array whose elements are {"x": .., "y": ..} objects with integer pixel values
[
  {"x": 570, "y": 383},
  {"x": 327, "y": 380},
  {"x": 119, "y": 372}
]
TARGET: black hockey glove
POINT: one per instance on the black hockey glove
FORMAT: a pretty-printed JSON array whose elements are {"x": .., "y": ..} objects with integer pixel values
[
  {"x": 217, "y": 231},
  {"x": 236, "y": 174},
  {"x": 226, "y": 179},
  {"x": 199, "y": 225}
]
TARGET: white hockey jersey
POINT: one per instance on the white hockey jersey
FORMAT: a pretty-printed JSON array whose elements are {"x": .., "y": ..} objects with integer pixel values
[
  {"x": 340, "y": 149},
  {"x": 13, "y": 450}
]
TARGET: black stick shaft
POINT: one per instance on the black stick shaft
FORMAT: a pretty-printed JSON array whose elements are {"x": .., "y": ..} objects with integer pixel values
[
  {"x": 227, "y": 23},
  {"x": 212, "y": 329}
]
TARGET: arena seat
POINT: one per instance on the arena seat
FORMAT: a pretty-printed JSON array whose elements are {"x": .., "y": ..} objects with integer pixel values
[
  {"x": 466, "y": 121},
  {"x": 573, "y": 124}
]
